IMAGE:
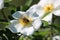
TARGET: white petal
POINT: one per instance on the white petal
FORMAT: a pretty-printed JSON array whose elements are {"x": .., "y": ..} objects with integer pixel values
[
  {"x": 56, "y": 3},
  {"x": 40, "y": 13},
  {"x": 18, "y": 14},
  {"x": 57, "y": 13},
  {"x": 42, "y": 3},
  {"x": 56, "y": 38},
  {"x": 37, "y": 23},
  {"x": 27, "y": 31},
  {"x": 57, "y": 8},
  {"x": 1, "y": 4},
  {"x": 32, "y": 9},
  {"x": 34, "y": 16},
  {"x": 13, "y": 21},
  {"x": 48, "y": 18},
  {"x": 15, "y": 27}
]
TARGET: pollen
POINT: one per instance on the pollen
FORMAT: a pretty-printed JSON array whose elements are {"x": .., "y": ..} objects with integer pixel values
[
  {"x": 25, "y": 21},
  {"x": 48, "y": 8}
]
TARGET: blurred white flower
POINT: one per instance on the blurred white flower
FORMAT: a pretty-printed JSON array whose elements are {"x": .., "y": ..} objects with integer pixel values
[
  {"x": 56, "y": 38},
  {"x": 45, "y": 9},
  {"x": 1, "y": 4},
  {"x": 24, "y": 23}
]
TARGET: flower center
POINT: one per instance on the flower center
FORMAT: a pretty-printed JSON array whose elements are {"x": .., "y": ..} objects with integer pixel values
[
  {"x": 25, "y": 21},
  {"x": 48, "y": 8}
]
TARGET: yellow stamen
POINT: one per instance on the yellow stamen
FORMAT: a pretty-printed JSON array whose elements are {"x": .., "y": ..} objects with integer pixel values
[
  {"x": 48, "y": 8},
  {"x": 25, "y": 21}
]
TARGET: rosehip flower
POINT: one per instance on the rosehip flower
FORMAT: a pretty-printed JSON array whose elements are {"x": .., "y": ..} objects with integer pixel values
[
  {"x": 24, "y": 23},
  {"x": 45, "y": 9}
]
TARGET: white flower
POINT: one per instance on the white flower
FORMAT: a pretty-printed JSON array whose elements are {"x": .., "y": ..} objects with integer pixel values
[
  {"x": 1, "y": 4},
  {"x": 24, "y": 23},
  {"x": 48, "y": 7},
  {"x": 56, "y": 38}
]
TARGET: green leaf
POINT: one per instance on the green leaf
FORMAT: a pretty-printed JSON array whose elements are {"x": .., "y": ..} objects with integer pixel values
[
  {"x": 57, "y": 25},
  {"x": 7, "y": 0},
  {"x": 45, "y": 23},
  {"x": 23, "y": 8},
  {"x": 1, "y": 16},
  {"x": 42, "y": 32},
  {"x": 28, "y": 2},
  {"x": 12, "y": 8},
  {"x": 21, "y": 37},
  {"x": 57, "y": 21},
  {"x": 17, "y": 2},
  {"x": 3, "y": 25}
]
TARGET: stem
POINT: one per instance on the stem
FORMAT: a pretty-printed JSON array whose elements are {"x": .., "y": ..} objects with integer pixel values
[
  {"x": 51, "y": 26},
  {"x": 5, "y": 16},
  {"x": 51, "y": 34}
]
